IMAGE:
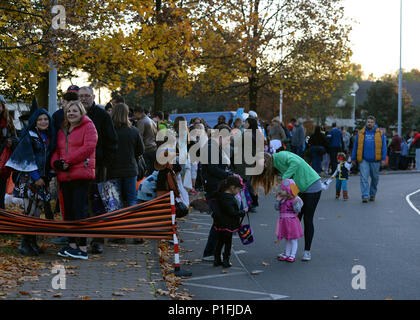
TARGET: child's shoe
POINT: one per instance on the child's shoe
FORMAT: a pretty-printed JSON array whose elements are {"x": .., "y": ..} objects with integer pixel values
[
  {"x": 217, "y": 261},
  {"x": 337, "y": 194},
  {"x": 282, "y": 257},
  {"x": 345, "y": 195},
  {"x": 290, "y": 259}
]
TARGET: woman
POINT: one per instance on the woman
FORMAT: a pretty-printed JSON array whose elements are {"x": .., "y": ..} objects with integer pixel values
[
  {"x": 289, "y": 165},
  {"x": 31, "y": 160},
  {"x": 318, "y": 146},
  {"x": 74, "y": 160},
  {"x": 8, "y": 141},
  {"x": 130, "y": 148},
  {"x": 183, "y": 141}
]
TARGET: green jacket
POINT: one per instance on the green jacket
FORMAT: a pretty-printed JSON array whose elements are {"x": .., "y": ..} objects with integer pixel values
[{"x": 291, "y": 166}]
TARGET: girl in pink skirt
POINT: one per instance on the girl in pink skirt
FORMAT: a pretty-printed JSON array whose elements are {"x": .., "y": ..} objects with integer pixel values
[{"x": 288, "y": 225}]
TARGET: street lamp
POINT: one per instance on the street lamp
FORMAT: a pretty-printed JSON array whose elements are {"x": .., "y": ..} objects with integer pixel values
[
  {"x": 353, "y": 94},
  {"x": 400, "y": 78}
]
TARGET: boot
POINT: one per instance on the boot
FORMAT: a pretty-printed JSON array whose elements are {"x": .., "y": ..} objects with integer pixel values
[
  {"x": 25, "y": 247},
  {"x": 345, "y": 195},
  {"x": 217, "y": 261},
  {"x": 226, "y": 262},
  {"x": 34, "y": 245},
  {"x": 337, "y": 194}
]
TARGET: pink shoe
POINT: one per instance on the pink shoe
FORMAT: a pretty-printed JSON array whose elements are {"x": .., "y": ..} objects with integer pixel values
[
  {"x": 291, "y": 259},
  {"x": 282, "y": 257}
]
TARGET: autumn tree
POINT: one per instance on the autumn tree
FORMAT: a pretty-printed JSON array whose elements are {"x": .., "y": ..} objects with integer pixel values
[
  {"x": 283, "y": 44},
  {"x": 29, "y": 43}
]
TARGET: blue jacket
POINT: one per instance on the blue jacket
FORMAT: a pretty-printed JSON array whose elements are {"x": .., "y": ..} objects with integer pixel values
[
  {"x": 335, "y": 138},
  {"x": 369, "y": 146}
]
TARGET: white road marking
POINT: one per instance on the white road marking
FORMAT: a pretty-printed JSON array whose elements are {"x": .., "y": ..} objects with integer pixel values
[
  {"x": 407, "y": 198},
  {"x": 184, "y": 231},
  {"x": 272, "y": 296},
  {"x": 215, "y": 276}
]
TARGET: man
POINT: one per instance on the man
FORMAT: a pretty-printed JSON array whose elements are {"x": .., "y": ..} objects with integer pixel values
[
  {"x": 335, "y": 145},
  {"x": 106, "y": 146},
  {"x": 369, "y": 151},
  {"x": 276, "y": 131},
  {"x": 395, "y": 150},
  {"x": 148, "y": 130},
  {"x": 221, "y": 121},
  {"x": 298, "y": 138}
]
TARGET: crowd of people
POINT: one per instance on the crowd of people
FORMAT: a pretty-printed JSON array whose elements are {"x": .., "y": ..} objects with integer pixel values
[{"x": 83, "y": 144}]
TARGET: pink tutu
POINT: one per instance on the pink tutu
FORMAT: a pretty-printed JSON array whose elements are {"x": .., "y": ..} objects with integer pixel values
[{"x": 289, "y": 229}]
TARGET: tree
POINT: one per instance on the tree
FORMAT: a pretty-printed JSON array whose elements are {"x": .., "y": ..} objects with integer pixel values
[
  {"x": 382, "y": 102},
  {"x": 279, "y": 44},
  {"x": 28, "y": 41}
]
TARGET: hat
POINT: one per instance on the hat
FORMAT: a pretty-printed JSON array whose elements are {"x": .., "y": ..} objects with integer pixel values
[
  {"x": 253, "y": 114},
  {"x": 164, "y": 157},
  {"x": 2, "y": 99},
  {"x": 289, "y": 185},
  {"x": 73, "y": 88}
]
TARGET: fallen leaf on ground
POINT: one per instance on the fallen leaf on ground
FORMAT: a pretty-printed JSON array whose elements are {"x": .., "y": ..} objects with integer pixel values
[
  {"x": 24, "y": 293},
  {"x": 57, "y": 295},
  {"x": 265, "y": 263},
  {"x": 118, "y": 294}
]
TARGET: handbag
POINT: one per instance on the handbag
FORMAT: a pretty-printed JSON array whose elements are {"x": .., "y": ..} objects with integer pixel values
[
  {"x": 181, "y": 210},
  {"x": 110, "y": 195},
  {"x": 142, "y": 167},
  {"x": 245, "y": 232}
]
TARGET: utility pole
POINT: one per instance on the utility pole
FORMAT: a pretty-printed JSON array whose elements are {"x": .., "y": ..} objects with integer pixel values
[{"x": 400, "y": 84}]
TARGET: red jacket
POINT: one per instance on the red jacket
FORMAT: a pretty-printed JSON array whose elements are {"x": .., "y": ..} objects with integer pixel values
[{"x": 78, "y": 150}]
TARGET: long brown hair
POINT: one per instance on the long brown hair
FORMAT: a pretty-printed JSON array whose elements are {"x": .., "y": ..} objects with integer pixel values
[
  {"x": 268, "y": 178},
  {"x": 6, "y": 114},
  {"x": 119, "y": 116}
]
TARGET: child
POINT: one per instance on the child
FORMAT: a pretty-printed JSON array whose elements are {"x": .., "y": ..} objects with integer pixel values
[
  {"x": 342, "y": 175},
  {"x": 288, "y": 224},
  {"x": 227, "y": 218}
]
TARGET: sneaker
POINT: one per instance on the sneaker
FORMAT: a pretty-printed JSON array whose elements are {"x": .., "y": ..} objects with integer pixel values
[
  {"x": 306, "y": 256},
  {"x": 62, "y": 252},
  {"x": 372, "y": 198},
  {"x": 290, "y": 259},
  {"x": 208, "y": 258},
  {"x": 282, "y": 257},
  {"x": 365, "y": 200},
  {"x": 76, "y": 253}
]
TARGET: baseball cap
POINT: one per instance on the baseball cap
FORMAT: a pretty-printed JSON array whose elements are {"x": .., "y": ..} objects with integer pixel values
[{"x": 73, "y": 88}]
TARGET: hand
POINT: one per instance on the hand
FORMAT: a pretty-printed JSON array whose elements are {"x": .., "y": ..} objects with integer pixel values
[
  {"x": 383, "y": 163},
  {"x": 40, "y": 182},
  {"x": 353, "y": 163},
  {"x": 9, "y": 143},
  {"x": 65, "y": 166}
]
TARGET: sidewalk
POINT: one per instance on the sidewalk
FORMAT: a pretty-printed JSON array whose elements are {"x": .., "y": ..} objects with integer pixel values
[{"x": 122, "y": 272}]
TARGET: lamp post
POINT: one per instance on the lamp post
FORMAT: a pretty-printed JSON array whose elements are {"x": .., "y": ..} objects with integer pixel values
[
  {"x": 353, "y": 94},
  {"x": 400, "y": 78}
]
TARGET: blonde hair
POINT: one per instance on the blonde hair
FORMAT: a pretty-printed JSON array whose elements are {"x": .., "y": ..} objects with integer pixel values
[
  {"x": 268, "y": 178},
  {"x": 81, "y": 108},
  {"x": 120, "y": 116}
]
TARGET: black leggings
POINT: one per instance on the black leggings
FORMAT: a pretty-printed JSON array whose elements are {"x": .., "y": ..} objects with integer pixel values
[
  {"x": 224, "y": 239},
  {"x": 310, "y": 202}
]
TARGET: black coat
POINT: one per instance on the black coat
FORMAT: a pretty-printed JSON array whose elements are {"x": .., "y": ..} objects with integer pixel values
[
  {"x": 228, "y": 215},
  {"x": 130, "y": 148},
  {"x": 213, "y": 173},
  {"x": 106, "y": 147}
]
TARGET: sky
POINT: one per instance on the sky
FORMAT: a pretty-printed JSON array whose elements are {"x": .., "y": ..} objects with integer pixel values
[{"x": 375, "y": 36}]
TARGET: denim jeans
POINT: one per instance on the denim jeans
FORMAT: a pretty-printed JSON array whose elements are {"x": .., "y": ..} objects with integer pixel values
[
  {"x": 297, "y": 150},
  {"x": 340, "y": 184},
  {"x": 128, "y": 190},
  {"x": 317, "y": 157},
  {"x": 369, "y": 169}
]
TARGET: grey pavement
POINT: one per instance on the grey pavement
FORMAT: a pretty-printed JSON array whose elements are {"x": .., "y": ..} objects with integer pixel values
[
  {"x": 122, "y": 272},
  {"x": 380, "y": 239}
]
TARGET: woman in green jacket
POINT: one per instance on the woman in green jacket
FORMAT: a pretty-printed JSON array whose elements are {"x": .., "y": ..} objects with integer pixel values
[{"x": 290, "y": 166}]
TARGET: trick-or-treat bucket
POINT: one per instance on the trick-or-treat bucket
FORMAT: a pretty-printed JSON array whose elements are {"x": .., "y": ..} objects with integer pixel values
[{"x": 245, "y": 234}]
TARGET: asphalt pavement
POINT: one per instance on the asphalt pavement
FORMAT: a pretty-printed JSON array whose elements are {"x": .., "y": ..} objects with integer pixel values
[{"x": 360, "y": 251}]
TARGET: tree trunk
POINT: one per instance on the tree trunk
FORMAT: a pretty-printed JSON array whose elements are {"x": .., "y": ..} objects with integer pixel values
[
  {"x": 253, "y": 90},
  {"x": 42, "y": 92},
  {"x": 158, "y": 93}
]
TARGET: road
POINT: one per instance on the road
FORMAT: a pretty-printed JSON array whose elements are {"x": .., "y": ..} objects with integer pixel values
[{"x": 380, "y": 239}]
